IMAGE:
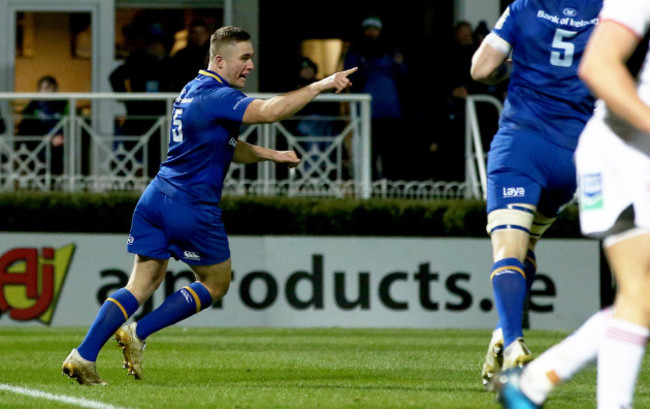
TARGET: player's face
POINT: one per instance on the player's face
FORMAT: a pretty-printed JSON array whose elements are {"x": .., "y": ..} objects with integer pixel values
[{"x": 238, "y": 63}]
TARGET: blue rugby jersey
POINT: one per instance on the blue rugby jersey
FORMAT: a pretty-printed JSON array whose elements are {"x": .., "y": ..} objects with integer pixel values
[
  {"x": 545, "y": 95},
  {"x": 205, "y": 125}
]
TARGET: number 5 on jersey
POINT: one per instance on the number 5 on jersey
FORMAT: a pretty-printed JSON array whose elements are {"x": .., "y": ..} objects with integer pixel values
[
  {"x": 177, "y": 125},
  {"x": 564, "y": 57}
]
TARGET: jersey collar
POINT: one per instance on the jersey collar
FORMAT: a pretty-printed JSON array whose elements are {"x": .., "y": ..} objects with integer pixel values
[{"x": 214, "y": 75}]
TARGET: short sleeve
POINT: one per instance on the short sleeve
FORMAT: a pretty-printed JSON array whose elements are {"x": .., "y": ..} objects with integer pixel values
[
  {"x": 633, "y": 14},
  {"x": 226, "y": 103},
  {"x": 506, "y": 25}
]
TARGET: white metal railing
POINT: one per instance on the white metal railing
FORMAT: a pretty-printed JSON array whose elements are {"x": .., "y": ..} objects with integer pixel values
[
  {"x": 333, "y": 165},
  {"x": 97, "y": 158},
  {"x": 475, "y": 156}
]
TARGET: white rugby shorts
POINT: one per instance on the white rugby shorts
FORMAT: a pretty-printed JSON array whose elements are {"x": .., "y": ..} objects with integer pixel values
[{"x": 612, "y": 176}]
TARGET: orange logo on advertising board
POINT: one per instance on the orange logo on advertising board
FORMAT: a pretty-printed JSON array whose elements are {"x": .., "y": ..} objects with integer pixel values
[{"x": 30, "y": 283}]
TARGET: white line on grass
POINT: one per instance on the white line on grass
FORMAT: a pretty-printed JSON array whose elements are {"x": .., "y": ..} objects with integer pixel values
[{"x": 84, "y": 403}]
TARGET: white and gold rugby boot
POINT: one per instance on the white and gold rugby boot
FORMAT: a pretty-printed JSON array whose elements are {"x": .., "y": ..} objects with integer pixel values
[
  {"x": 132, "y": 348},
  {"x": 81, "y": 370},
  {"x": 493, "y": 359}
]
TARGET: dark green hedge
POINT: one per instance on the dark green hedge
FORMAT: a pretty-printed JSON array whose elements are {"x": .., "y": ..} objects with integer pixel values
[{"x": 111, "y": 213}]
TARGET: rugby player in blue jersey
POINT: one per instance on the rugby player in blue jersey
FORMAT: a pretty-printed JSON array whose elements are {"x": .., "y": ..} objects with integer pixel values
[
  {"x": 178, "y": 214},
  {"x": 531, "y": 172},
  {"x": 613, "y": 164}
]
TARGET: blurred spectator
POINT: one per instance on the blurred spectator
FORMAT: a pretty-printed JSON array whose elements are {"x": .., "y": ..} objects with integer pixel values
[
  {"x": 451, "y": 149},
  {"x": 145, "y": 69},
  {"x": 315, "y": 119},
  {"x": 381, "y": 69},
  {"x": 187, "y": 62},
  {"x": 40, "y": 117},
  {"x": 461, "y": 60},
  {"x": 480, "y": 32}
]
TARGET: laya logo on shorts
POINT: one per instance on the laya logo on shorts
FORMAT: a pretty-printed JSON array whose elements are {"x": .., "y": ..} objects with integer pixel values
[
  {"x": 191, "y": 255},
  {"x": 591, "y": 191},
  {"x": 232, "y": 142},
  {"x": 514, "y": 192}
]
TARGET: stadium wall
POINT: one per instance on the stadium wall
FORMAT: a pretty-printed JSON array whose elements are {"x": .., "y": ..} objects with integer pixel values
[
  {"x": 296, "y": 262},
  {"x": 61, "y": 279}
]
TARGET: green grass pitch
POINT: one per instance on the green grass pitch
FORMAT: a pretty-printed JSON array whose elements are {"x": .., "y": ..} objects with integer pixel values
[{"x": 278, "y": 368}]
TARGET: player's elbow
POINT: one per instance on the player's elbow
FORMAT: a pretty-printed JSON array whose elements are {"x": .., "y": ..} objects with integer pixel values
[
  {"x": 267, "y": 118},
  {"x": 481, "y": 69},
  {"x": 489, "y": 64},
  {"x": 484, "y": 74},
  {"x": 478, "y": 73},
  {"x": 268, "y": 113}
]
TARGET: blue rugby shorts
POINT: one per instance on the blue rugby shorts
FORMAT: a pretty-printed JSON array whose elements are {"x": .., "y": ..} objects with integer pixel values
[
  {"x": 164, "y": 228},
  {"x": 526, "y": 168}
]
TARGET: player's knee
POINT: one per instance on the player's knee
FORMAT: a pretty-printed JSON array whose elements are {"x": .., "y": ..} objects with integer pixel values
[
  {"x": 216, "y": 278},
  {"x": 221, "y": 290},
  {"x": 217, "y": 290}
]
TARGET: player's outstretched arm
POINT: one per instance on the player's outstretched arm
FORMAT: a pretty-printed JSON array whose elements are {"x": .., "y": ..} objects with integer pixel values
[
  {"x": 604, "y": 71},
  {"x": 249, "y": 153},
  {"x": 489, "y": 62},
  {"x": 285, "y": 105}
]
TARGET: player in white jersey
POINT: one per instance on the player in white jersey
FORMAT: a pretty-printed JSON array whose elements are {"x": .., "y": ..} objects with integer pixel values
[{"x": 613, "y": 163}]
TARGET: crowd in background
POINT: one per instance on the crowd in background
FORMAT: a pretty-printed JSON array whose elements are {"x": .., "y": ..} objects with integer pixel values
[{"x": 154, "y": 64}]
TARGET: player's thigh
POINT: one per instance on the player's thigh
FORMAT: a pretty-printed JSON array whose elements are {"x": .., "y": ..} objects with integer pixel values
[
  {"x": 512, "y": 198},
  {"x": 529, "y": 180},
  {"x": 511, "y": 203}
]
